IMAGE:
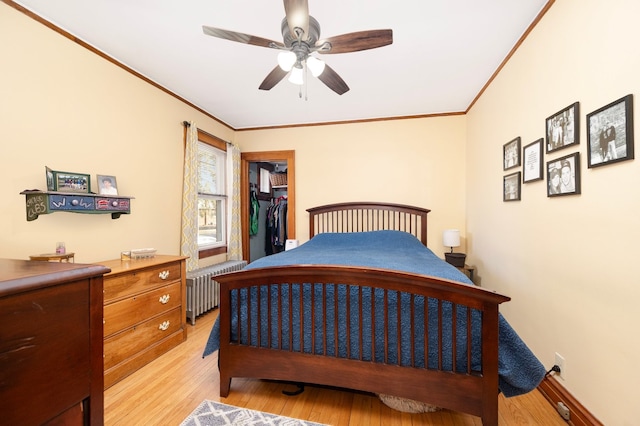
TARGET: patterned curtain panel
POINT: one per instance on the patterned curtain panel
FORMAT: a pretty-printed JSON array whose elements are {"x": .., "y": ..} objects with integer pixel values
[
  {"x": 235, "y": 230},
  {"x": 189, "y": 242}
]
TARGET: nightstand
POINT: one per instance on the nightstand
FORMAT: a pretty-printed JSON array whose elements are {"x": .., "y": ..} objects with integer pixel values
[{"x": 469, "y": 271}]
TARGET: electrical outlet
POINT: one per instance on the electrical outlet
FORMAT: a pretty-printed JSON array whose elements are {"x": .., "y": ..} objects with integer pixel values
[
  {"x": 564, "y": 411},
  {"x": 560, "y": 362}
]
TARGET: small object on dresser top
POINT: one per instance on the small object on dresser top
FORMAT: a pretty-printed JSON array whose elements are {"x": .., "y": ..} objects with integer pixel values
[
  {"x": 67, "y": 257},
  {"x": 138, "y": 254}
]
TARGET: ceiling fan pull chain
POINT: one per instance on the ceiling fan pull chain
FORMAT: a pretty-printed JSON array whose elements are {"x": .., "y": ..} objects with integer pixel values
[{"x": 306, "y": 79}]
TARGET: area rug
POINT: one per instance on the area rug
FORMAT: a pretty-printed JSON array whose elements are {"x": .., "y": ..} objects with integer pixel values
[{"x": 211, "y": 413}]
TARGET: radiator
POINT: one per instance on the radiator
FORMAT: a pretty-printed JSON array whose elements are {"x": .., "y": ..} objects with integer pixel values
[{"x": 203, "y": 292}]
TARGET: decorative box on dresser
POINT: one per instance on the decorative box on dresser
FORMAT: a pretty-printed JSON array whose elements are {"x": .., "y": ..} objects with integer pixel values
[
  {"x": 51, "y": 343},
  {"x": 144, "y": 312}
]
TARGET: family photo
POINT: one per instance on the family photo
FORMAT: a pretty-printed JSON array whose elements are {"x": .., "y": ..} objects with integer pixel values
[
  {"x": 511, "y": 154},
  {"x": 107, "y": 185},
  {"x": 611, "y": 133},
  {"x": 511, "y": 187},
  {"x": 562, "y": 128},
  {"x": 563, "y": 175}
]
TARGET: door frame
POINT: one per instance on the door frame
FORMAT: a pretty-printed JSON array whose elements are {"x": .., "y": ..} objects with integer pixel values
[{"x": 266, "y": 156}]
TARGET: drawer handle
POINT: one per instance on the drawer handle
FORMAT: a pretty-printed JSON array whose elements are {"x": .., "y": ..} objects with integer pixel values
[
  {"x": 163, "y": 275},
  {"x": 164, "y": 326},
  {"x": 164, "y": 299}
]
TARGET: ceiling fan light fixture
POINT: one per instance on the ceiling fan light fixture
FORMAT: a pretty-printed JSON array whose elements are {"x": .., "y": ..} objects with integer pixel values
[
  {"x": 300, "y": 38},
  {"x": 286, "y": 60},
  {"x": 316, "y": 66},
  {"x": 296, "y": 76}
]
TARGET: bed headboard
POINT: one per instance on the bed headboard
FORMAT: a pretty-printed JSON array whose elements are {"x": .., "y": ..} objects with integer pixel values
[{"x": 368, "y": 216}]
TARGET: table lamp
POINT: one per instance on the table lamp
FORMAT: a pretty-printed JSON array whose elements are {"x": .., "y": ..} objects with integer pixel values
[{"x": 451, "y": 238}]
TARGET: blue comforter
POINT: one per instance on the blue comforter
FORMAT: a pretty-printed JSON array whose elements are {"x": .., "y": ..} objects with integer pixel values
[{"x": 519, "y": 370}]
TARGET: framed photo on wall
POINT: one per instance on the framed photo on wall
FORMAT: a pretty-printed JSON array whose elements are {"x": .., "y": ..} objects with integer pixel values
[
  {"x": 532, "y": 161},
  {"x": 563, "y": 128},
  {"x": 610, "y": 137},
  {"x": 511, "y": 187},
  {"x": 563, "y": 175},
  {"x": 511, "y": 154}
]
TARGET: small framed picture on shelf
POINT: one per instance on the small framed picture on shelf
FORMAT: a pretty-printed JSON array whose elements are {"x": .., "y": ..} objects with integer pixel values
[
  {"x": 532, "y": 161},
  {"x": 511, "y": 154},
  {"x": 67, "y": 181},
  {"x": 51, "y": 179},
  {"x": 563, "y": 128},
  {"x": 107, "y": 185},
  {"x": 611, "y": 133},
  {"x": 511, "y": 187},
  {"x": 563, "y": 175}
]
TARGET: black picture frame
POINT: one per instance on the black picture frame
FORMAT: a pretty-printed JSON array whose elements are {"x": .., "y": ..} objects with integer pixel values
[
  {"x": 563, "y": 175},
  {"x": 511, "y": 154},
  {"x": 562, "y": 129},
  {"x": 511, "y": 188},
  {"x": 610, "y": 134},
  {"x": 532, "y": 161}
]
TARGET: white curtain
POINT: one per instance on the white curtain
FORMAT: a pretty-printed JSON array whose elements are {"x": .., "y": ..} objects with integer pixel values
[
  {"x": 234, "y": 247},
  {"x": 189, "y": 238}
]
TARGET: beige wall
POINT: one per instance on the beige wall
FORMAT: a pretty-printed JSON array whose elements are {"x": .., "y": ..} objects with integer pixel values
[
  {"x": 408, "y": 162},
  {"x": 567, "y": 262},
  {"x": 64, "y": 107}
]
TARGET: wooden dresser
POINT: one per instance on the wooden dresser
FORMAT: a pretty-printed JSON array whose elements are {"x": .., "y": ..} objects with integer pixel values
[
  {"x": 51, "y": 343},
  {"x": 144, "y": 312}
]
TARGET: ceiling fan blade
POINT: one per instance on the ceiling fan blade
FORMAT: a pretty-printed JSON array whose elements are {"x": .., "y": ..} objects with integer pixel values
[
  {"x": 240, "y": 37},
  {"x": 333, "y": 80},
  {"x": 273, "y": 78},
  {"x": 354, "y": 42},
  {"x": 297, "y": 12}
]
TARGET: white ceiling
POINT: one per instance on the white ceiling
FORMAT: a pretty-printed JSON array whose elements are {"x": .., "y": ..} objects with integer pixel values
[{"x": 443, "y": 53}]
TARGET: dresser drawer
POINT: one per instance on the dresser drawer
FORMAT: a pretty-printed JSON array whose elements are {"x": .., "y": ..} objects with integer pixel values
[
  {"x": 137, "y": 308},
  {"x": 114, "y": 374},
  {"x": 121, "y": 346},
  {"x": 125, "y": 284}
]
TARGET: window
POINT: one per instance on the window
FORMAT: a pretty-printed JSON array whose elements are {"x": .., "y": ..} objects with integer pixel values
[{"x": 212, "y": 197}]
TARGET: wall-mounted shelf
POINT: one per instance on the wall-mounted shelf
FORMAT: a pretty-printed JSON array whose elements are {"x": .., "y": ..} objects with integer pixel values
[{"x": 40, "y": 202}]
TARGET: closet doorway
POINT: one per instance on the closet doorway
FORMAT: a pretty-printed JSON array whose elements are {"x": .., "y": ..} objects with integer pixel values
[{"x": 250, "y": 171}]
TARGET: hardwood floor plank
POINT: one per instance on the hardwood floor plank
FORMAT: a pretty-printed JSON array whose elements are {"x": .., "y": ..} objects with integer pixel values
[{"x": 168, "y": 389}]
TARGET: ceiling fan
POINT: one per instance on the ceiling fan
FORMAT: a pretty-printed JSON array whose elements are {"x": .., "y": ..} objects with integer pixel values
[{"x": 301, "y": 38}]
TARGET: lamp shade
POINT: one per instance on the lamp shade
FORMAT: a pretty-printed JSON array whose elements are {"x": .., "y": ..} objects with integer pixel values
[
  {"x": 451, "y": 238},
  {"x": 286, "y": 59},
  {"x": 296, "y": 76},
  {"x": 316, "y": 66}
]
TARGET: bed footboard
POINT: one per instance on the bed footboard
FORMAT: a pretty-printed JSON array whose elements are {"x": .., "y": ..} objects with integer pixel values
[{"x": 367, "y": 329}]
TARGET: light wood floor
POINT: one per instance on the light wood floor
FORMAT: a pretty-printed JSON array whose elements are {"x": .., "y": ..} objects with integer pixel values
[{"x": 167, "y": 390}]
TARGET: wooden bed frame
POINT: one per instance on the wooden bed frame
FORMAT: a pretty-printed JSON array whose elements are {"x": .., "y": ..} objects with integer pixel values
[{"x": 473, "y": 392}]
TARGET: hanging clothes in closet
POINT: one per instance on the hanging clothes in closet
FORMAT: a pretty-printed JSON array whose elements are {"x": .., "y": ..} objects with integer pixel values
[
  {"x": 254, "y": 213},
  {"x": 276, "y": 226}
]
